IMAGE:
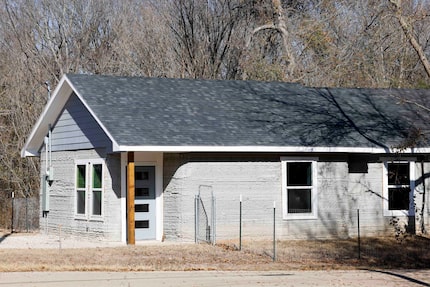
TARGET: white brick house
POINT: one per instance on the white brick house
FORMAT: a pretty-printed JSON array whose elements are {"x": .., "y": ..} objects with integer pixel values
[{"x": 122, "y": 158}]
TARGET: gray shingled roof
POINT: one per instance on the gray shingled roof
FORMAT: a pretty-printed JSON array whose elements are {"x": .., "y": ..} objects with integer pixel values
[{"x": 181, "y": 112}]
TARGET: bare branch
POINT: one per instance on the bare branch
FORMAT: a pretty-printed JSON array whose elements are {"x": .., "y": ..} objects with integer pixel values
[{"x": 408, "y": 31}]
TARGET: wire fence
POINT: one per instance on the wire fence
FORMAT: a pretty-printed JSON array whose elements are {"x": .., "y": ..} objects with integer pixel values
[
  {"x": 205, "y": 221},
  {"x": 387, "y": 252},
  {"x": 365, "y": 242}
]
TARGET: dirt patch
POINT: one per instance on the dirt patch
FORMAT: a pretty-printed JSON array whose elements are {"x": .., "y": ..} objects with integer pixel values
[{"x": 412, "y": 252}]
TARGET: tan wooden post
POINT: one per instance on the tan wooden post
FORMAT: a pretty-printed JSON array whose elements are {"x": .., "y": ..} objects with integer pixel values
[{"x": 130, "y": 199}]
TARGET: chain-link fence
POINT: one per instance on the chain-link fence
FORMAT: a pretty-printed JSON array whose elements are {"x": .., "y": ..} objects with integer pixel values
[
  {"x": 20, "y": 214},
  {"x": 205, "y": 215}
]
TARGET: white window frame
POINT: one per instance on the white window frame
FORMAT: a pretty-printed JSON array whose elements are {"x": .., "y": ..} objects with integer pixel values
[
  {"x": 314, "y": 189},
  {"x": 385, "y": 194},
  {"x": 89, "y": 163}
]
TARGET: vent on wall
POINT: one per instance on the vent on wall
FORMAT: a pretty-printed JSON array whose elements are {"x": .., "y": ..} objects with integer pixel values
[{"x": 357, "y": 164}]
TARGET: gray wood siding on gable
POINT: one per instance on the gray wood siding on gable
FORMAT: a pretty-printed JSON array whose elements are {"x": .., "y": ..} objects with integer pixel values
[{"x": 77, "y": 129}]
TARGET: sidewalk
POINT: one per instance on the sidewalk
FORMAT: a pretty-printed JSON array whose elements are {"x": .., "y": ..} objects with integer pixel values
[{"x": 351, "y": 278}]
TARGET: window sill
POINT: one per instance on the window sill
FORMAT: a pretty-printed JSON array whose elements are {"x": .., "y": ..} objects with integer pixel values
[
  {"x": 299, "y": 216},
  {"x": 401, "y": 213},
  {"x": 97, "y": 218},
  {"x": 94, "y": 218},
  {"x": 80, "y": 217}
]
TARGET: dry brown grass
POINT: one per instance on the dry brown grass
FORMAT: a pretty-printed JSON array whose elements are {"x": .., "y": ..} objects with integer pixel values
[{"x": 413, "y": 252}]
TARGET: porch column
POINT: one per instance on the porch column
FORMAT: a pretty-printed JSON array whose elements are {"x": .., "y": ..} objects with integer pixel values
[{"x": 130, "y": 199}]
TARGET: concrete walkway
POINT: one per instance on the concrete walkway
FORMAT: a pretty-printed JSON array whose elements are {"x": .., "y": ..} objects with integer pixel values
[
  {"x": 56, "y": 241},
  {"x": 358, "y": 278},
  {"x": 42, "y": 241}
]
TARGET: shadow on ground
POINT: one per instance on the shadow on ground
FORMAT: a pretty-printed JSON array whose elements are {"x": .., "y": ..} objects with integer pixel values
[
  {"x": 402, "y": 276},
  {"x": 3, "y": 237}
]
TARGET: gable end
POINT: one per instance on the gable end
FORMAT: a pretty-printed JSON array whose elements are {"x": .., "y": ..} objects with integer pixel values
[{"x": 77, "y": 129}]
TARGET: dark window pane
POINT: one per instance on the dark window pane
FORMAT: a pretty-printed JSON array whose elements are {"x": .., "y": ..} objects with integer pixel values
[
  {"x": 80, "y": 176},
  {"x": 141, "y": 175},
  {"x": 398, "y": 198},
  {"x": 141, "y": 191},
  {"x": 80, "y": 204},
  {"x": 299, "y": 173},
  {"x": 299, "y": 201},
  {"x": 97, "y": 202},
  {"x": 97, "y": 176},
  {"x": 398, "y": 174},
  {"x": 141, "y": 224},
  {"x": 141, "y": 208}
]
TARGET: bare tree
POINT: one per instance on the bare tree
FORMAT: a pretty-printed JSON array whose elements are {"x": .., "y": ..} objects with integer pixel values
[
  {"x": 144, "y": 45},
  {"x": 409, "y": 33},
  {"x": 277, "y": 23},
  {"x": 39, "y": 41},
  {"x": 204, "y": 33},
  {"x": 317, "y": 42}
]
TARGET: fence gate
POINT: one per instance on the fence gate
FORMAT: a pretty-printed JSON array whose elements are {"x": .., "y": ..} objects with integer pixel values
[{"x": 204, "y": 205}]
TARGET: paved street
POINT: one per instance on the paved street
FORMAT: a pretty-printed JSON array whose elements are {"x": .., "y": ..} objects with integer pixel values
[{"x": 215, "y": 278}]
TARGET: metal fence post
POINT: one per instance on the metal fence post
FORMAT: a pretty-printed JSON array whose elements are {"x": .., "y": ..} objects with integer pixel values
[
  {"x": 26, "y": 210},
  {"x": 13, "y": 199},
  {"x": 240, "y": 223},
  {"x": 358, "y": 231},
  {"x": 196, "y": 218},
  {"x": 274, "y": 231},
  {"x": 213, "y": 220}
]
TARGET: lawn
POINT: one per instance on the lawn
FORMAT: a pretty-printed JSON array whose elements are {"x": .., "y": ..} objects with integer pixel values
[{"x": 381, "y": 253}]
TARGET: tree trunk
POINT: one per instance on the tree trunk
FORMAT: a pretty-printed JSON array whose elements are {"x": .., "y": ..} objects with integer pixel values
[
  {"x": 280, "y": 25},
  {"x": 407, "y": 29}
]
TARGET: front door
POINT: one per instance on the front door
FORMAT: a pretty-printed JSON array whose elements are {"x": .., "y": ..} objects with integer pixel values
[{"x": 144, "y": 202}]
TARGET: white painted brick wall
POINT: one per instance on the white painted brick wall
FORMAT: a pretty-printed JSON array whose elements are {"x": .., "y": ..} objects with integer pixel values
[
  {"x": 340, "y": 194},
  {"x": 62, "y": 197}
]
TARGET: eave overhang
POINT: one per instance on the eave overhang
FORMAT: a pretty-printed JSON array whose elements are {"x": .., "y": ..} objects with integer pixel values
[{"x": 271, "y": 149}]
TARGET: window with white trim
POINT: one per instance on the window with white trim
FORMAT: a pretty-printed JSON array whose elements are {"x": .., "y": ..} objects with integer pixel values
[
  {"x": 89, "y": 188},
  {"x": 299, "y": 189},
  {"x": 399, "y": 186}
]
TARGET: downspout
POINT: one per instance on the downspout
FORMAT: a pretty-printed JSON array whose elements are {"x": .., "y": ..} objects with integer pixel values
[
  {"x": 46, "y": 155},
  {"x": 50, "y": 153},
  {"x": 45, "y": 177}
]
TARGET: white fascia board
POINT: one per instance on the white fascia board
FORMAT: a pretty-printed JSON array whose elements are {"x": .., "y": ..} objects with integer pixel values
[
  {"x": 268, "y": 149},
  {"x": 29, "y": 153},
  {"x": 49, "y": 115},
  {"x": 114, "y": 143}
]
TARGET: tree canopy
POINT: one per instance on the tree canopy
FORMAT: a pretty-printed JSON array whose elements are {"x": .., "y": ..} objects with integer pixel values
[{"x": 364, "y": 43}]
